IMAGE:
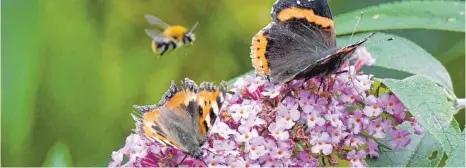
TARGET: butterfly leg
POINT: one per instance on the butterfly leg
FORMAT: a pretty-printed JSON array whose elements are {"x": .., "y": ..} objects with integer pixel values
[
  {"x": 340, "y": 72},
  {"x": 288, "y": 92},
  {"x": 185, "y": 156},
  {"x": 321, "y": 85}
]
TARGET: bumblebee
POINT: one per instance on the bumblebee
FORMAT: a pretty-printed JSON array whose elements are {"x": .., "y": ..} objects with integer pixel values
[{"x": 172, "y": 36}]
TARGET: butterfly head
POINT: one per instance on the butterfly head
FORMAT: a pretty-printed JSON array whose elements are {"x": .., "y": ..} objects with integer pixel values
[{"x": 197, "y": 154}]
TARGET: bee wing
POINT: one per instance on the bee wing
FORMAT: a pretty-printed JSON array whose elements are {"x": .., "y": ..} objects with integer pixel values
[
  {"x": 157, "y": 36},
  {"x": 156, "y": 21}
]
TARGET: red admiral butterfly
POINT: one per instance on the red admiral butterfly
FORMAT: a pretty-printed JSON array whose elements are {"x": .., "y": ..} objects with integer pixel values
[{"x": 299, "y": 43}]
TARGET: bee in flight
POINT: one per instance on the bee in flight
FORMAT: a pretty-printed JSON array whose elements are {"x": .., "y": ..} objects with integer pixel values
[{"x": 172, "y": 36}]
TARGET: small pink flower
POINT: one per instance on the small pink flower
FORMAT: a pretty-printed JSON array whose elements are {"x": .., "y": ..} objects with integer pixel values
[
  {"x": 373, "y": 106},
  {"x": 357, "y": 159},
  {"x": 223, "y": 130},
  {"x": 336, "y": 134},
  {"x": 417, "y": 129},
  {"x": 271, "y": 90},
  {"x": 216, "y": 160},
  {"x": 278, "y": 131},
  {"x": 280, "y": 151},
  {"x": 245, "y": 136},
  {"x": 224, "y": 147},
  {"x": 287, "y": 115},
  {"x": 251, "y": 122},
  {"x": 357, "y": 121},
  {"x": 372, "y": 148},
  {"x": 400, "y": 138},
  {"x": 256, "y": 148},
  {"x": 321, "y": 143},
  {"x": 305, "y": 101},
  {"x": 362, "y": 83},
  {"x": 392, "y": 104},
  {"x": 255, "y": 82},
  {"x": 240, "y": 111},
  {"x": 355, "y": 141},
  {"x": 334, "y": 120},
  {"x": 349, "y": 95},
  {"x": 376, "y": 129},
  {"x": 314, "y": 120}
]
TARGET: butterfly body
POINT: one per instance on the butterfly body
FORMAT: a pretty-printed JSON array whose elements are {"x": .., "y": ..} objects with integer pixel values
[
  {"x": 183, "y": 117},
  {"x": 299, "y": 43}
]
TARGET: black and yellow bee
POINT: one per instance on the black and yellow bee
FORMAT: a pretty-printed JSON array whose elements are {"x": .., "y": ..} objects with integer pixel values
[{"x": 172, "y": 36}]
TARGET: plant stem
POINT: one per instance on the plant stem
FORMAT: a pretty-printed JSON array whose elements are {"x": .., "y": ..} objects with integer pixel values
[{"x": 460, "y": 104}]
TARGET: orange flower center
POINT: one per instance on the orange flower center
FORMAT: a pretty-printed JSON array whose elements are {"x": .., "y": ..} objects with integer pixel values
[
  {"x": 390, "y": 103},
  {"x": 375, "y": 107}
]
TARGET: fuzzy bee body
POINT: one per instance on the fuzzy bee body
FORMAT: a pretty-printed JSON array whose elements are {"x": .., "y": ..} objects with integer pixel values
[{"x": 172, "y": 36}]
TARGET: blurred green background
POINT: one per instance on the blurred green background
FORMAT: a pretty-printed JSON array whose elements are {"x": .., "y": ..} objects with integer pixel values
[{"x": 72, "y": 69}]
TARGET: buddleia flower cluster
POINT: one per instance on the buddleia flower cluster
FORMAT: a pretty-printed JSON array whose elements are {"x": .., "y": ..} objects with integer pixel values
[{"x": 304, "y": 123}]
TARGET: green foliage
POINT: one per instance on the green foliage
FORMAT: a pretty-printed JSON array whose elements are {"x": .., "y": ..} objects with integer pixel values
[
  {"x": 423, "y": 151},
  {"x": 406, "y": 56},
  {"x": 71, "y": 70},
  {"x": 58, "y": 156},
  {"x": 457, "y": 156},
  {"x": 428, "y": 103},
  {"x": 435, "y": 15}
]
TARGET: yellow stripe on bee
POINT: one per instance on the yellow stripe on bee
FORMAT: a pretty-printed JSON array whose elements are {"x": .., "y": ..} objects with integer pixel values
[
  {"x": 258, "y": 51},
  {"x": 175, "y": 32},
  {"x": 308, "y": 14},
  {"x": 154, "y": 46}
]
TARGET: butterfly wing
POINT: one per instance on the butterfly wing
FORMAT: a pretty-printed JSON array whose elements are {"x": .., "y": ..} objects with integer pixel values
[
  {"x": 284, "y": 53},
  {"x": 300, "y": 35},
  {"x": 209, "y": 100},
  {"x": 171, "y": 122}
]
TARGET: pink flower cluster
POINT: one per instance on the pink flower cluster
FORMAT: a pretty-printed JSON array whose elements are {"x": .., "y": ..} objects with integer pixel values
[{"x": 300, "y": 124}]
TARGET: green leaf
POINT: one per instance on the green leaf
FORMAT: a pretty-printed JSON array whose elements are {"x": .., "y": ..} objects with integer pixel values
[
  {"x": 423, "y": 151},
  {"x": 433, "y": 15},
  {"x": 58, "y": 156},
  {"x": 457, "y": 157},
  {"x": 406, "y": 56},
  {"x": 428, "y": 103}
]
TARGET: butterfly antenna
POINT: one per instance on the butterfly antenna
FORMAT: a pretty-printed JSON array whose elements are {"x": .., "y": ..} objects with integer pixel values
[
  {"x": 355, "y": 26},
  {"x": 385, "y": 40},
  {"x": 194, "y": 27}
]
